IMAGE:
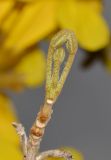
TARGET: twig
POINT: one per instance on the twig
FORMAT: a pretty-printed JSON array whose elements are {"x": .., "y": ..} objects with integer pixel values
[
  {"x": 21, "y": 132},
  {"x": 54, "y": 84},
  {"x": 54, "y": 153}
]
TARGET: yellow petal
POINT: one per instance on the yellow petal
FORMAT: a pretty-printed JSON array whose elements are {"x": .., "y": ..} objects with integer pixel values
[
  {"x": 9, "y": 22},
  {"x": 75, "y": 154},
  {"x": 9, "y": 143},
  {"x": 5, "y": 7},
  {"x": 35, "y": 22},
  {"x": 94, "y": 34},
  {"x": 95, "y": 5},
  {"x": 32, "y": 68},
  {"x": 25, "y": 18},
  {"x": 9, "y": 152},
  {"x": 91, "y": 29}
]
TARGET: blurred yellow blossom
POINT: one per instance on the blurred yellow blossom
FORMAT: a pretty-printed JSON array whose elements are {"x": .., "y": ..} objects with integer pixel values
[
  {"x": 28, "y": 71},
  {"x": 85, "y": 18},
  {"x": 26, "y": 22},
  {"x": 22, "y": 66},
  {"x": 30, "y": 76}
]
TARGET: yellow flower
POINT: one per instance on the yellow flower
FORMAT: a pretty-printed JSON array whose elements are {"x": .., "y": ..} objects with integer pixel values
[
  {"x": 22, "y": 66},
  {"x": 25, "y": 71},
  {"x": 30, "y": 21},
  {"x": 85, "y": 18}
]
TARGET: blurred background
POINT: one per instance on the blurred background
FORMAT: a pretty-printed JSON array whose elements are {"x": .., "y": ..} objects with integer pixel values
[{"x": 82, "y": 113}]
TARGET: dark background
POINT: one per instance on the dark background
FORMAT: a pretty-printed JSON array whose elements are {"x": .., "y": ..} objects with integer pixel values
[{"x": 82, "y": 114}]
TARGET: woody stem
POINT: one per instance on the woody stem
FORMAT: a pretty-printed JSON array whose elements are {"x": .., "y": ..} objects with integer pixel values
[{"x": 38, "y": 128}]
